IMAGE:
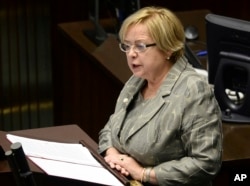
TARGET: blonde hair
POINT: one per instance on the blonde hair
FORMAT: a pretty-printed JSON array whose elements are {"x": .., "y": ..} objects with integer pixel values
[{"x": 163, "y": 26}]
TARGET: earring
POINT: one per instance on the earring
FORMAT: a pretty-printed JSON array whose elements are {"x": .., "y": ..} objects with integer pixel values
[{"x": 168, "y": 57}]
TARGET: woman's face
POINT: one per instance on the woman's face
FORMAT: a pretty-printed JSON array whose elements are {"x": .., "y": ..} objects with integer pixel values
[{"x": 148, "y": 64}]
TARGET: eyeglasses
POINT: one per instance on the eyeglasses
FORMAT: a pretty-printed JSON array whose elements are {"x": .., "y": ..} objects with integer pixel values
[{"x": 138, "y": 47}]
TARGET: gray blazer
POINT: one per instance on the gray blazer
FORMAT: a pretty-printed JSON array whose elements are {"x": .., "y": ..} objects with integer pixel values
[{"x": 179, "y": 134}]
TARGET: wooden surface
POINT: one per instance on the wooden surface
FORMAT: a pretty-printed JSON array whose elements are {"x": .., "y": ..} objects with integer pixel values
[
  {"x": 236, "y": 139},
  {"x": 85, "y": 90},
  {"x": 65, "y": 133},
  {"x": 236, "y": 152}
]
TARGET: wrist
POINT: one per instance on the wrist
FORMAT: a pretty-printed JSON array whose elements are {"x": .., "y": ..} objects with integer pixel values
[
  {"x": 111, "y": 150},
  {"x": 145, "y": 175},
  {"x": 142, "y": 174}
]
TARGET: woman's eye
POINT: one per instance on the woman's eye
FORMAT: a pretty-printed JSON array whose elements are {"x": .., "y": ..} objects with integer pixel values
[
  {"x": 140, "y": 46},
  {"x": 126, "y": 47}
]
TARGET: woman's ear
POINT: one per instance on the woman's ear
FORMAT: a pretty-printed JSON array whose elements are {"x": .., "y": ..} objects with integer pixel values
[{"x": 168, "y": 54}]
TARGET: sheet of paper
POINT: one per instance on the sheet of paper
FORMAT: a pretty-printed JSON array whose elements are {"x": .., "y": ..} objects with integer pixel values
[
  {"x": 77, "y": 171},
  {"x": 67, "y": 152},
  {"x": 65, "y": 160}
]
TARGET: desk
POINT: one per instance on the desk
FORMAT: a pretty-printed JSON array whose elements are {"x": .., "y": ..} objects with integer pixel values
[
  {"x": 65, "y": 133},
  {"x": 236, "y": 152}
]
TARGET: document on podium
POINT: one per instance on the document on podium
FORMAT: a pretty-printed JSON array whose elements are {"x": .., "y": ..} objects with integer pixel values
[{"x": 67, "y": 160}]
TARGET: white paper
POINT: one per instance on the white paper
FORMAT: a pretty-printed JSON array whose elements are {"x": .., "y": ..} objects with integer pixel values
[
  {"x": 77, "y": 171},
  {"x": 67, "y": 152},
  {"x": 65, "y": 160}
]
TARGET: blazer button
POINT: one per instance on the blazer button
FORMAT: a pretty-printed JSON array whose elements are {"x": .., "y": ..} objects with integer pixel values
[{"x": 125, "y": 100}]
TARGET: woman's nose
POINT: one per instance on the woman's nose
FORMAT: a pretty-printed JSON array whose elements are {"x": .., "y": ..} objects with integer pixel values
[{"x": 131, "y": 52}]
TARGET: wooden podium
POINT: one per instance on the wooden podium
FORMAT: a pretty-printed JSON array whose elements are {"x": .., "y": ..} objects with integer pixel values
[
  {"x": 65, "y": 133},
  {"x": 235, "y": 152}
]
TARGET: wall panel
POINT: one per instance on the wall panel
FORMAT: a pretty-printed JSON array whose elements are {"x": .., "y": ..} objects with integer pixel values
[{"x": 25, "y": 65}]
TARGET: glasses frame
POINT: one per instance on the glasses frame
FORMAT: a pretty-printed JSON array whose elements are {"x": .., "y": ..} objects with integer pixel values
[{"x": 145, "y": 46}]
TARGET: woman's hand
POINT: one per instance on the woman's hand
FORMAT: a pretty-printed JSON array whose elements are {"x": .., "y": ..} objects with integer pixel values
[
  {"x": 113, "y": 157},
  {"x": 123, "y": 163}
]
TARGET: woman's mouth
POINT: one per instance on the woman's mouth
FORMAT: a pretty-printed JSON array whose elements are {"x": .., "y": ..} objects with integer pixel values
[{"x": 134, "y": 66}]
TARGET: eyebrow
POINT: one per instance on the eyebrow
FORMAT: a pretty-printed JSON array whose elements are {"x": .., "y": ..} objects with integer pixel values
[{"x": 136, "y": 41}]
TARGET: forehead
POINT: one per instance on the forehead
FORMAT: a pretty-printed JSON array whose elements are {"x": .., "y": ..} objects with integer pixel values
[{"x": 137, "y": 32}]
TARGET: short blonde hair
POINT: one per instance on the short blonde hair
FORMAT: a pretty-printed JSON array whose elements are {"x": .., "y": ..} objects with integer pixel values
[{"x": 164, "y": 27}]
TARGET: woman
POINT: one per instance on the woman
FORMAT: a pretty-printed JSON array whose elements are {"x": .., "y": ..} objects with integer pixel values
[{"x": 166, "y": 128}]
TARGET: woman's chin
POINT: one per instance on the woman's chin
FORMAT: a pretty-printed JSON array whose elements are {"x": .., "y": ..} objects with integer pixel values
[{"x": 139, "y": 75}]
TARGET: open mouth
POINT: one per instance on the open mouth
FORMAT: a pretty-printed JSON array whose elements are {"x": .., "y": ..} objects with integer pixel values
[{"x": 135, "y": 66}]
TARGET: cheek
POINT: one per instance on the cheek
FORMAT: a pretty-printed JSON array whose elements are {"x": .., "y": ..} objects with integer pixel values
[
  {"x": 129, "y": 60},
  {"x": 159, "y": 56},
  {"x": 153, "y": 60}
]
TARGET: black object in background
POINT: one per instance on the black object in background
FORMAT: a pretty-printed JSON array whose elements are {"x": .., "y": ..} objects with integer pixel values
[
  {"x": 228, "y": 47},
  {"x": 116, "y": 9},
  {"x": 192, "y": 58},
  {"x": 19, "y": 165},
  {"x": 2, "y": 155}
]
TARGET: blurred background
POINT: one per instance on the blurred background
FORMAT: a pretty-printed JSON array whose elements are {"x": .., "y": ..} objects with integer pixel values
[{"x": 30, "y": 49}]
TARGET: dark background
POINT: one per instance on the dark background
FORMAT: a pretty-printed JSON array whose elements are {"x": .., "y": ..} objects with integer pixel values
[
  {"x": 30, "y": 50},
  {"x": 43, "y": 75}
]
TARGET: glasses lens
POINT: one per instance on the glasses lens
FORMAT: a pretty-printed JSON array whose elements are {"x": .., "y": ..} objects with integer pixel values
[
  {"x": 140, "y": 47},
  {"x": 124, "y": 47}
]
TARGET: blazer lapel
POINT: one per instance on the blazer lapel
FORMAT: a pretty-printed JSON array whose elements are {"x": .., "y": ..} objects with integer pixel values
[
  {"x": 159, "y": 100},
  {"x": 125, "y": 100},
  {"x": 146, "y": 116}
]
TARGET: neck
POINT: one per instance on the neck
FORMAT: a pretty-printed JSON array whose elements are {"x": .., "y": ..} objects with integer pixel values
[{"x": 153, "y": 84}]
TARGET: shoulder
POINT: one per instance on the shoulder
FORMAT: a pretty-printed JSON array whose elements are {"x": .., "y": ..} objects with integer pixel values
[{"x": 190, "y": 79}]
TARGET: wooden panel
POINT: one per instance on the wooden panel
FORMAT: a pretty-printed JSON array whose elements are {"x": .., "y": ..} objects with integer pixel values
[
  {"x": 85, "y": 92},
  {"x": 25, "y": 81}
]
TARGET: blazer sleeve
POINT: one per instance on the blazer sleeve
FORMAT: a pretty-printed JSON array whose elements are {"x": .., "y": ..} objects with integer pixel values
[
  {"x": 201, "y": 135},
  {"x": 105, "y": 138}
]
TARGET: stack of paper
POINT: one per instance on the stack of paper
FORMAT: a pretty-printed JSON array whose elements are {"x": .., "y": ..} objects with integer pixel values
[{"x": 65, "y": 160}]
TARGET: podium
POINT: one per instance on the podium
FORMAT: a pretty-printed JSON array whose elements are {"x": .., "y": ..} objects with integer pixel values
[
  {"x": 65, "y": 133},
  {"x": 235, "y": 153}
]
